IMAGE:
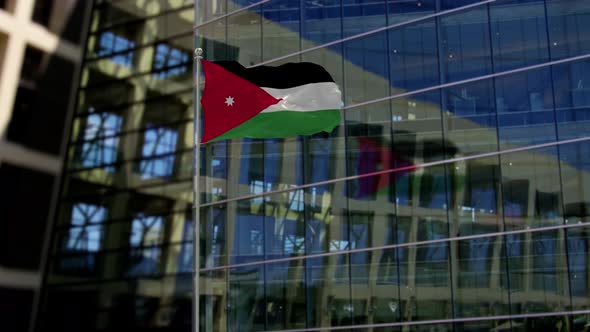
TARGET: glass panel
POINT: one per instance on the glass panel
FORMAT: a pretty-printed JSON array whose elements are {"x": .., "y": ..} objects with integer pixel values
[
  {"x": 519, "y": 34},
  {"x": 537, "y": 270},
  {"x": 365, "y": 69},
  {"x": 531, "y": 189},
  {"x": 214, "y": 41},
  {"x": 470, "y": 119},
  {"x": 85, "y": 234},
  {"x": 465, "y": 48},
  {"x": 413, "y": 57},
  {"x": 246, "y": 302},
  {"x": 110, "y": 43},
  {"x": 405, "y": 10},
  {"x": 122, "y": 95},
  {"x": 158, "y": 147},
  {"x": 452, "y": 4},
  {"x": 427, "y": 294},
  {"x": 362, "y": 16},
  {"x": 369, "y": 150},
  {"x": 285, "y": 295},
  {"x": 575, "y": 164},
  {"x": 478, "y": 272},
  {"x": 280, "y": 28},
  {"x": 578, "y": 251},
  {"x": 376, "y": 284},
  {"x": 477, "y": 195},
  {"x": 572, "y": 98},
  {"x": 525, "y": 109},
  {"x": 133, "y": 32},
  {"x": 101, "y": 145},
  {"x": 417, "y": 127},
  {"x": 209, "y": 10},
  {"x": 321, "y": 22},
  {"x": 568, "y": 25},
  {"x": 214, "y": 301},
  {"x": 244, "y": 35}
]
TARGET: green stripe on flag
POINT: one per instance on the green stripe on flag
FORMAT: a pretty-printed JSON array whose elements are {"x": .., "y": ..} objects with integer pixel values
[{"x": 284, "y": 124}]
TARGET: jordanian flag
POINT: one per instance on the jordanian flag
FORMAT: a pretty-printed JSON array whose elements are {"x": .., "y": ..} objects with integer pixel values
[{"x": 268, "y": 102}]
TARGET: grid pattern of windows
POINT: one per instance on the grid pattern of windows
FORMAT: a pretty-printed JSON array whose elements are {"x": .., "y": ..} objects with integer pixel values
[{"x": 478, "y": 109}]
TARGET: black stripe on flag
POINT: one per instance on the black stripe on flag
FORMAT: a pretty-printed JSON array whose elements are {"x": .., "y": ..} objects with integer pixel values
[{"x": 284, "y": 76}]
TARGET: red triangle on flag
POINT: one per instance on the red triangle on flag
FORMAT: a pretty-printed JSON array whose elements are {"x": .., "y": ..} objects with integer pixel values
[{"x": 229, "y": 100}]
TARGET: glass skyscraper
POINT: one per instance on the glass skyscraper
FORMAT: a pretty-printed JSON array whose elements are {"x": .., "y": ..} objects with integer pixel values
[{"x": 454, "y": 195}]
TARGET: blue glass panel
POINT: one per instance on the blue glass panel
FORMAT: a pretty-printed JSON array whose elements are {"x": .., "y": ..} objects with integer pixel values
[
  {"x": 451, "y": 4},
  {"x": 84, "y": 238},
  {"x": 519, "y": 34},
  {"x": 572, "y": 98},
  {"x": 158, "y": 150},
  {"x": 85, "y": 233},
  {"x": 525, "y": 108},
  {"x": 321, "y": 21},
  {"x": 366, "y": 69},
  {"x": 578, "y": 250},
  {"x": 111, "y": 43},
  {"x": 100, "y": 143},
  {"x": 362, "y": 16},
  {"x": 465, "y": 49},
  {"x": 146, "y": 237},
  {"x": 280, "y": 28},
  {"x": 405, "y": 10},
  {"x": 569, "y": 28},
  {"x": 169, "y": 61},
  {"x": 471, "y": 118},
  {"x": 413, "y": 57}
]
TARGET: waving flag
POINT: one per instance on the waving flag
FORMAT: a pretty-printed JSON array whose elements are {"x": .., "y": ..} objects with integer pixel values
[{"x": 268, "y": 102}]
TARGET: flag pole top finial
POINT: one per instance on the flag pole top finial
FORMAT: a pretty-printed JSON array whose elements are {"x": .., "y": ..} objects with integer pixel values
[{"x": 198, "y": 53}]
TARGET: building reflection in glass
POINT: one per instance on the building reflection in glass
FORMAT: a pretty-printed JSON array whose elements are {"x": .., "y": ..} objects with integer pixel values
[{"x": 477, "y": 235}]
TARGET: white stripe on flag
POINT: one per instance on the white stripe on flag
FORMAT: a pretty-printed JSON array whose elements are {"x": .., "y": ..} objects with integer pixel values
[{"x": 306, "y": 98}]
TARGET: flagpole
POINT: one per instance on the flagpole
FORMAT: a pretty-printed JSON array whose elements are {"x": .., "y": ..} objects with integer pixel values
[{"x": 196, "y": 190}]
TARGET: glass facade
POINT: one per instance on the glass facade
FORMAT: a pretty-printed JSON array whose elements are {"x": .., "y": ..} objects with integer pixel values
[{"x": 480, "y": 109}]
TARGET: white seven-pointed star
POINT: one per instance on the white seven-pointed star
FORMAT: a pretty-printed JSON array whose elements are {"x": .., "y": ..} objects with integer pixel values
[{"x": 229, "y": 101}]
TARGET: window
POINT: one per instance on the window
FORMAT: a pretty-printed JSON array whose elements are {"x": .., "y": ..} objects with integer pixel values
[
  {"x": 86, "y": 231},
  {"x": 83, "y": 239},
  {"x": 100, "y": 144},
  {"x": 111, "y": 43},
  {"x": 158, "y": 147},
  {"x": 146, "y": 237},
  {"x": 172, "y": 60}
]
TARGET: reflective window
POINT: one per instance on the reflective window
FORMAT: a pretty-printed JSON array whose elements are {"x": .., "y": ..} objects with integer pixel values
[
  {"x": 568, "y": 24},
  {"x": 85, "y": 235},
  {"x": 110, "y": 43},
  {"x": 525, "y": 101},
  {"x": 518, "y": 33},
  {"x": 84, "y": 238},
  {"x": 100, "y": 143},
  {"x": 169, "y": 61},
  {"x": 158, "y": 147},
  {"x": 413, "y": 57},
  {"x": 465, "y": 45},
  {"x": 146, "y": 236}
]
